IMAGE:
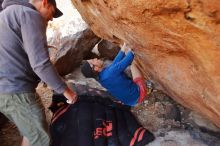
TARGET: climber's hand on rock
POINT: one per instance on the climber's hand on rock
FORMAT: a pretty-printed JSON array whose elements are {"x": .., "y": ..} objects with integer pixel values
[{"x": 125, "y": 48}]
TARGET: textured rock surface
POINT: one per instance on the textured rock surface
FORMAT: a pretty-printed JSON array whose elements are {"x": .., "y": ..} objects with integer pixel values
[
  {"x": 108, "y": 50},
  {"x": 177, "y": 44},
  {"x": 74, "y": 50}
]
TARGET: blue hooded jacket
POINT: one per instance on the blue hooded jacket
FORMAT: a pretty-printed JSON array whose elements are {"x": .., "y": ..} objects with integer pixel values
[{"x": 114, "y": 79}]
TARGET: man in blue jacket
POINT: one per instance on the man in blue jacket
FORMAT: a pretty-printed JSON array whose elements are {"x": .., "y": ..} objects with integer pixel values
[
  {"x": 114, "y": 79},
  {"x": 24, "y": 61}
]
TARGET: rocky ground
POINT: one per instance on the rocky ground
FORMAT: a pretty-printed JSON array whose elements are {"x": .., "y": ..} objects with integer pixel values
[{"x": 172, "y": 124}]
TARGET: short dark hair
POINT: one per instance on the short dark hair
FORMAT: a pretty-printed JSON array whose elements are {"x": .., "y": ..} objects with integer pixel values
[
  {"x": 57, "y": 13},
  {"x": 88, "y": 71}
]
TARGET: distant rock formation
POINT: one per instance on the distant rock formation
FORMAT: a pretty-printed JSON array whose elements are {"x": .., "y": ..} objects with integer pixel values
[{"x": 177, "y": 44}]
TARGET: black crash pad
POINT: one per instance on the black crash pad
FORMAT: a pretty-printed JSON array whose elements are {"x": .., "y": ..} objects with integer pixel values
[{"x": 95, "y": 120}]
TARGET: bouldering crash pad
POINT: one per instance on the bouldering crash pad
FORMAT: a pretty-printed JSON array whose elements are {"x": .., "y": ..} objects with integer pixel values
[{"x": 95, "y": 120}]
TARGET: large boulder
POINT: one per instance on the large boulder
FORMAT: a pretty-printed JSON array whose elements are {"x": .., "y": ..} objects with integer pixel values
[
  {"x": 177, "y": 44},
  {"x": 73, "y": 50},
  {"x": 108, "y": 50}
]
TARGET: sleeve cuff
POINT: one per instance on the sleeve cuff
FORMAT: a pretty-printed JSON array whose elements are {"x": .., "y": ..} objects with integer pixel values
[{"x": 61, "y": 88}]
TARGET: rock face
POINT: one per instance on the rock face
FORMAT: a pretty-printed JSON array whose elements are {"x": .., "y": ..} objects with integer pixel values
[
  {"x": 73, "y": 50},
  {"x": 177, "y": 44},
  {"x": 108, "y": 50}
]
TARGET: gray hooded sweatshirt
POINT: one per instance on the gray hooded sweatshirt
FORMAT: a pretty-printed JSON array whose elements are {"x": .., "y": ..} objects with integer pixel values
[{"x": 24, "y": 57}]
